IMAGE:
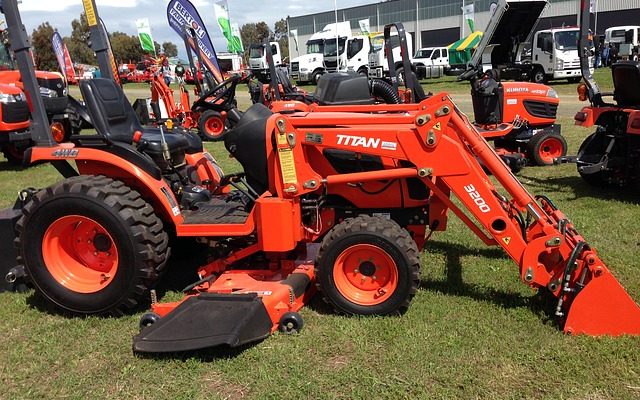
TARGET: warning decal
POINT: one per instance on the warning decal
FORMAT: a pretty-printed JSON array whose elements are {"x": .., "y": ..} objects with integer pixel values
[
  {"x": 287, "y": 165},
  {"x": 89, "y": 9}
]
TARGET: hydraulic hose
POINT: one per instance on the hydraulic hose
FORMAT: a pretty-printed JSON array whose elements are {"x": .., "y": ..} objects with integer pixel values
[{"x": 384, "y": 91}]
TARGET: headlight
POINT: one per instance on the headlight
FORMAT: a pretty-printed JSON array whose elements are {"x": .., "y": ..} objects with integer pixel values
[
  {"x": 46, "y": 92},
  {"x": 559, "y": 64},
  {"x": 304, "y": 69},
  {"x": 12, "y": 98},
  {"x": 552, "y": 93}
]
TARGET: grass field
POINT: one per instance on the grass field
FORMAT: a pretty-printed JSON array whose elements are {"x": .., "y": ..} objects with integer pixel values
[{"x": 473, "y": 330}]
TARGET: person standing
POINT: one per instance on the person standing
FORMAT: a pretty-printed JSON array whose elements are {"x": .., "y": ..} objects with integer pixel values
[
  {"x": 605, "y": 55},
  {"x": 180, "y": 71}
]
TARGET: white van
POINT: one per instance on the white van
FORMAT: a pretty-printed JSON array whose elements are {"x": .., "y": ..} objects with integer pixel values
[{"x": 432, "y": 56}]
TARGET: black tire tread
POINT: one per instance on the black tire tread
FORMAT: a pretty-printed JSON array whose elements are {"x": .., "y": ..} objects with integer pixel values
[{"x": 147, "y": 232}]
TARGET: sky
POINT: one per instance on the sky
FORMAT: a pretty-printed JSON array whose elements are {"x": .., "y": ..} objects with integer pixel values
[{"x": 120, "y": 15}]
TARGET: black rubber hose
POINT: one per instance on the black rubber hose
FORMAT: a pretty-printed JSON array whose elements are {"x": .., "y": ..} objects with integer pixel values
[{"x": 384, "y": 91}]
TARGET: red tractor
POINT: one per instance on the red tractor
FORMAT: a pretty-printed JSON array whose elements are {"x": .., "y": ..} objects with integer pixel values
[
  {"x": 14, "y": 126},
  {"x": 335, "y": 199},
  {"x": 610, "y": 156}
]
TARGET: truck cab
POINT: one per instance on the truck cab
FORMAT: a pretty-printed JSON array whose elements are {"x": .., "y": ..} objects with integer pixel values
[
  {"x": 378, "y": 64},
  {"x": 309, "y": 67},
  {"x": 555, "y": 55},
  {"x": 432, "y": 56},
  {"x": 352, "y": 54},
  {"x": 258, "y": 57},
  {"x": 626, "y": 39}
]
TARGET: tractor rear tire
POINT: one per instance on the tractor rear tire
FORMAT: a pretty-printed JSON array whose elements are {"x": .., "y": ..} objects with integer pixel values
[
  {"x": 368, "y": 266},
  {"x": 212, "y": 126},
  {"x": 544, "y": 147},
  {"x": 91, "y": 246}
]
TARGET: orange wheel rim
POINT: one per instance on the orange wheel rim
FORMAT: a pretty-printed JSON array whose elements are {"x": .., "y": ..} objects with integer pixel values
[
  {"x": 214, "y": 126},
  {"x": 550, "y": 148},
  {"x": 57, "y": 131},
  {"x": 365, "y": 275},
  {"x": 79, "y": 254}
]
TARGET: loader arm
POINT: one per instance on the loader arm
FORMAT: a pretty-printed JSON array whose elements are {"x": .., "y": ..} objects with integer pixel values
[{"x": 442, "y": 144}]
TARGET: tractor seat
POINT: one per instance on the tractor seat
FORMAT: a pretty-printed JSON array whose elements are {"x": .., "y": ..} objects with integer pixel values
[
  {"x": 626, "y": 83},
  {"x": 114, "y": 118},
  {"x": 247, "y": 142}
]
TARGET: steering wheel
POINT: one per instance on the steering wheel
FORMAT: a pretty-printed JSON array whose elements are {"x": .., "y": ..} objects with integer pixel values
[{"x": 225, "y": 89}]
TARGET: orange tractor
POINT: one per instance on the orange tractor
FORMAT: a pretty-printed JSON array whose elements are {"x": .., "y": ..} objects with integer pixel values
[
  {"x": 15, "y": 137},
  {"x": 610, "y": 156},
  {"x": 335, "y": 199}
]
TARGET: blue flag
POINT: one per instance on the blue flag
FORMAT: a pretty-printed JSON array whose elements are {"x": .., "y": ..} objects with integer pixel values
[
  {"x": 182, "y": 13},
  {"x": 58, "y": 48}
]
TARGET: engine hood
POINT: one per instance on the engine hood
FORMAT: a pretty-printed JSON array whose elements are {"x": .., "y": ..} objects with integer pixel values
[{"x": 308, "y": 58}]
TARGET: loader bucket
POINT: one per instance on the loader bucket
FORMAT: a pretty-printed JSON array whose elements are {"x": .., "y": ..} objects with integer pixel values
[
  {"x": 603, "y": 307},
  {"x": 207, "y": 320}
]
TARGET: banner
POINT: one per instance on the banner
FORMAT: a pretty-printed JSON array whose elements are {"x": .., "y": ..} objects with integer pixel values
[
  {"x": 593, "y": 6},
  {"x": 365, "y": 27},
  {"x": 64, "y": 59},
  {"x": 468, "y": 14},
  {"x": 294, "y": 34},
  {"x": 221, "y": 8},
  {"x": 235, "y": 29},
  {"x": 181, "y": 13},
  {"x": 144, "y": 34}
]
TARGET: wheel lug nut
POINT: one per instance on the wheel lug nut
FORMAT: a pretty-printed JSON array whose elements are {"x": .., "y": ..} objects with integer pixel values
[
  {"x": 374, "y": 277},
  {"x": 356, "y": 271},
  {"x": 95, "y": 253}
]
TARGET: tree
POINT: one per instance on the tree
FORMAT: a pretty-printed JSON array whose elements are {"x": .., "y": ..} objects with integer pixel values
[
  {"x": 254, "y": 33},
  {"x": 77, "y": 43},
  {"x": 126, "y": 48},
  {"x": 43, "y": 49},
  {"x": 158, "y": 47},
  {"x": 280, "y": 34},
  {"x": 170, "y": 49}
]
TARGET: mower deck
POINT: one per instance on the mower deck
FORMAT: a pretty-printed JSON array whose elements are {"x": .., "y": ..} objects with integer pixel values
[{"x": 236, "y": 308}]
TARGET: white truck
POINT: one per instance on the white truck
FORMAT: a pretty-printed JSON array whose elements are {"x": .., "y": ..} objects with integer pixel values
[
  {"x": 378, "y": 64},
  {"x": 554, "y": 53},
  {"x": 258, "y": 58},
  {"x": 309, "y": 67},
  {"x": 430, "y": 56},
  {"x": 626, "y": 39},
  {"x": 352, "y": 54}
]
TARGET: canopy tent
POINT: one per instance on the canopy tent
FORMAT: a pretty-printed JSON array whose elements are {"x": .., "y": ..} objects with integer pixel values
[{"x": 460, "y": 52}]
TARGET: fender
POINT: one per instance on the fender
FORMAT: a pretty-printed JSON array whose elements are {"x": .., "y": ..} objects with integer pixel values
[{"x": 91, "y": 161}]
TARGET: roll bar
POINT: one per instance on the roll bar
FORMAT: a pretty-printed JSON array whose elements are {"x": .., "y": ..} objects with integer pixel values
[{"x": 404, "y": 51}]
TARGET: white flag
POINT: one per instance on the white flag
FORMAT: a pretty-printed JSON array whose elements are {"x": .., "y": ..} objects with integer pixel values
[
  {"x": 365, "y": 27},
  {"x": 294, "y": 34},
  {"x": 468, "y": 12}
]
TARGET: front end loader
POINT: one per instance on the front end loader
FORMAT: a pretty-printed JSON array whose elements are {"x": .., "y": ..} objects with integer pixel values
[{"x": 332, "y": 199}]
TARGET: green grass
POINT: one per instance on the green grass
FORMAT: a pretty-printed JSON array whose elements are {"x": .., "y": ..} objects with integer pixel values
[{"x": 473, "y": 330}]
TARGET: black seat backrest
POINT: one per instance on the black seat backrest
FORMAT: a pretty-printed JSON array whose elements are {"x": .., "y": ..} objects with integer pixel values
[
  {"x": 110, "y": 111},
  {"x": 247, "y": 142},
  {"x": 626, "y": 83}
]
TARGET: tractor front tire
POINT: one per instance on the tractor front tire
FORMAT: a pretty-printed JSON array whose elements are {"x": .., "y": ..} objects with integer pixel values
[
  {"x": 212, "y": 126},
  {"x": 368, "y": 266},
  {"x": 544, "y": 147},
  {"x": 13, "y": 154},
  {"x": 91, "y": 245}
]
